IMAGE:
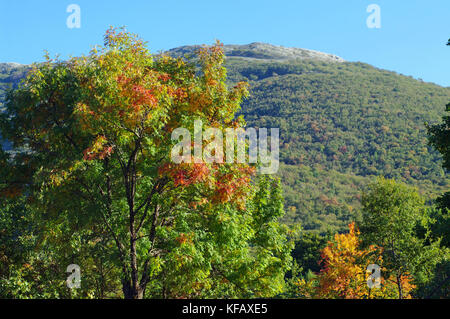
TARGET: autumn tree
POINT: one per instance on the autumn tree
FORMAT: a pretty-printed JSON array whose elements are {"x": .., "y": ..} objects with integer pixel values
[
  {"x": 344, "y": 275},
  {"x": 93, "y": 141}
]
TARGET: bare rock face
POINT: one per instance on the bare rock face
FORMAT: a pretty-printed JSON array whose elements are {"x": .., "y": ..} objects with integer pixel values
[
  {"x": 263, "y": 51},
  {"x": 9, "y": 65}
]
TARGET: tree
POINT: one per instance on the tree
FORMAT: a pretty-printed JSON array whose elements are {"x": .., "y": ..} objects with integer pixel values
[
  {"x": 93, "y": 142},
  {"x": 439, "y": 137},
  {"x": 439, "y": 224},
  {"x": 344, "y": 274},
  {"x": 392, "y": 212},
  {"x": 438, "y": 286},
  {"x": 344, "y": 267},
  {"x": 308, "y": 249}
]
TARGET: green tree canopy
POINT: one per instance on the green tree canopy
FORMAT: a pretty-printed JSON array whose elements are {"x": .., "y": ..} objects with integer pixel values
[{"x": 391, "y": 213}]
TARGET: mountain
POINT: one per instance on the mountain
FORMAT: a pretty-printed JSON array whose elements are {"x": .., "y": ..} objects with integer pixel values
[
  {"x": 341, "y": 124},
  {"x": 10, "y": 75},
  {"x": 262, "y": 51}
]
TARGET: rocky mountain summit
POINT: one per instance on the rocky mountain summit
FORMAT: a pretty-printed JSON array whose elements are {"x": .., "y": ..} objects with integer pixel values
[{"x": 263, "y": 51}]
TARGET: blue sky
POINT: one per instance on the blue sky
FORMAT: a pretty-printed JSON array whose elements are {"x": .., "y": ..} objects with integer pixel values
[{"x": 411, "y": 39}]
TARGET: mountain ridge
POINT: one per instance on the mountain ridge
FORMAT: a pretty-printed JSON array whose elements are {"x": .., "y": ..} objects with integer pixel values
[
  {"x": 341, "y": 124},
  {"x": 262, "y": 51}
]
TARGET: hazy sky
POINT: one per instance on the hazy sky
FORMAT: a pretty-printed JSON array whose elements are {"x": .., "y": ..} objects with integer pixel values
[{"x": 411, "y": 39}]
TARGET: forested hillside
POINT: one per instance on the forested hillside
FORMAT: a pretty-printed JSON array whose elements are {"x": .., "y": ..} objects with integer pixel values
[
  {"x": 341, "y": 123},
  {"x": 10, "y": 76}
]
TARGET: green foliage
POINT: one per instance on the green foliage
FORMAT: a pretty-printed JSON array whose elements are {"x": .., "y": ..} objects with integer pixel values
[
  {"x": 392, "y": 213},
  {"x": 439, "y": 223},
  {"x": 341, "y": 124},
  {"x": 438, "y": 286},
  {"x": 439, "y": 137},
  {"x": 92, "y": 141},
  {"x": 10, "y": 76},
  {"x": 307, "y": 251}
]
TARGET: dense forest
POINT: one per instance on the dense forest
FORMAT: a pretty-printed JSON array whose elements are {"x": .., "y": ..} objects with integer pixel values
[
  {"x": 341, "y": 124},
  {"x": 86, "y": 177}
]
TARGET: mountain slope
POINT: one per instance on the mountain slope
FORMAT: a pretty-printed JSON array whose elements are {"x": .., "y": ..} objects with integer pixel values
[
  {"x": 341, "y": 123},
  {"x": 10, "y": 76}
]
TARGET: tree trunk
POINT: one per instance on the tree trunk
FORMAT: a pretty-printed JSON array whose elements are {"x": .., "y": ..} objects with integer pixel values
[
  {"x": 131, "y": 292},
  {"x": 399, "y": 284}
]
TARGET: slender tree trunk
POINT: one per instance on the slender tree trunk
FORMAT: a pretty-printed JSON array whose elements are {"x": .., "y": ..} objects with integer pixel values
[
  {"x": 134, "y": 270},
  {"x": 399, "y": 284},
  {"x": 135, "y": 291}
]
